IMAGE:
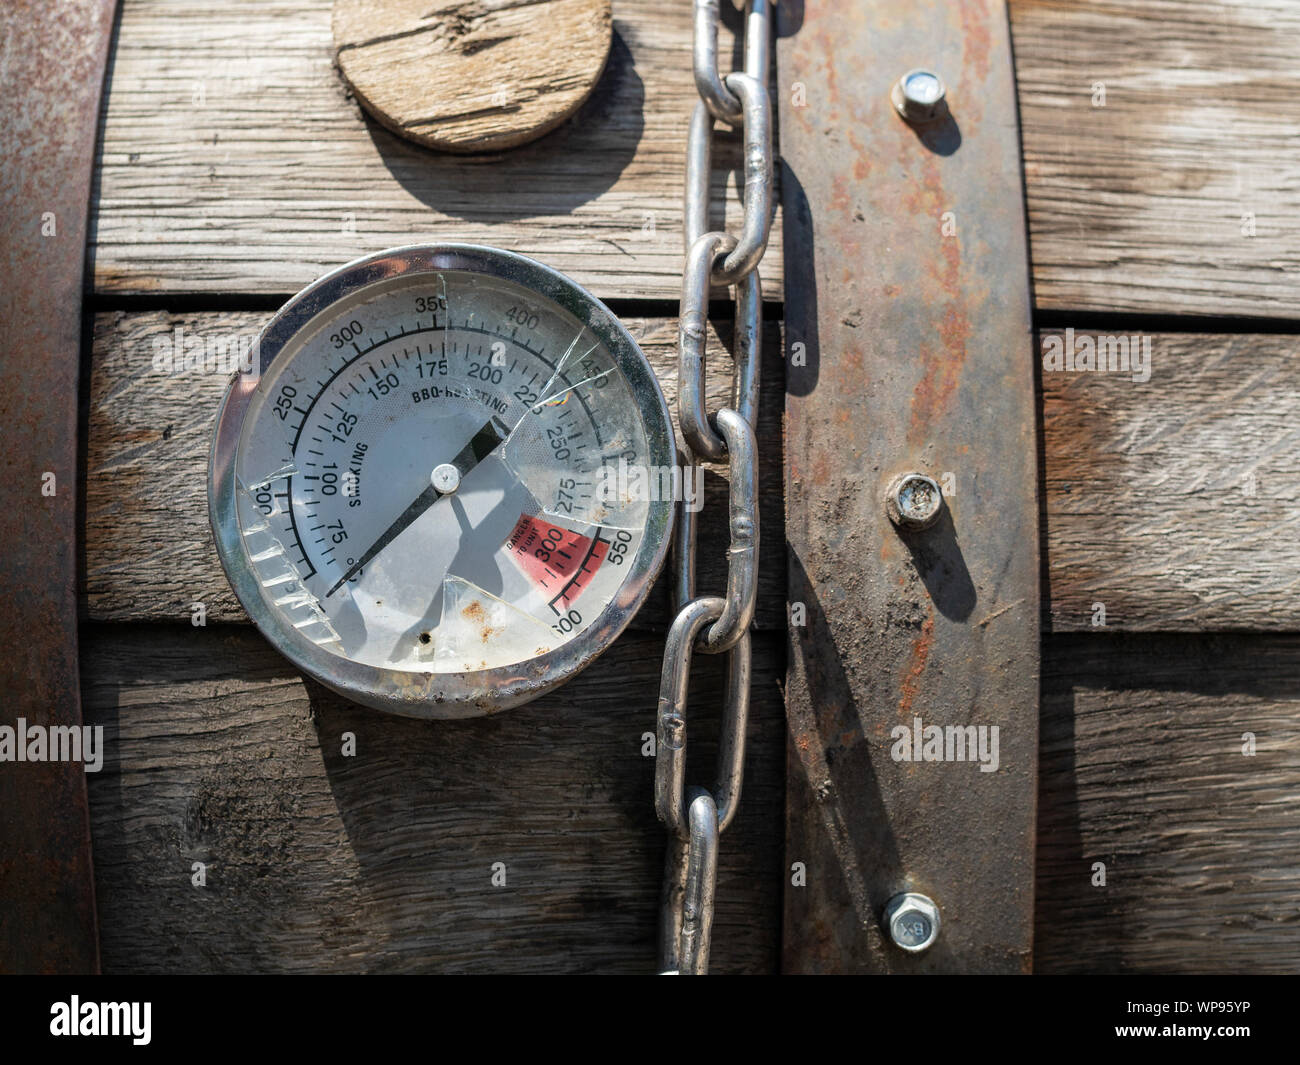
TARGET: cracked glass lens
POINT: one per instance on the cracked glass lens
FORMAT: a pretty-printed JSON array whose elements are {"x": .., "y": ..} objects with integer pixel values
[{"x": 425, "y": 476}]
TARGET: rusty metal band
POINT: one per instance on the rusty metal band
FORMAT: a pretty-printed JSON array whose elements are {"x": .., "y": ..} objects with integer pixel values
[
  {"x": 908, "y": 350},
  {"x": 55, "y": 56}
]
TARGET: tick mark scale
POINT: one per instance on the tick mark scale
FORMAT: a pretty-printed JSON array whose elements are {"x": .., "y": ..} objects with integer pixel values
[{"x": 446, "y": 606}]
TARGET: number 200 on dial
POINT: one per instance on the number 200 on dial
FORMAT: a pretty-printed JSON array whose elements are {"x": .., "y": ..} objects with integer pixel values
[{"x": 420, "y": 493}]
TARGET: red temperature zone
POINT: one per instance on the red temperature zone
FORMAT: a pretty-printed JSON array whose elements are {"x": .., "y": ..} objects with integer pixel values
[{"x": 559, "y": 561}]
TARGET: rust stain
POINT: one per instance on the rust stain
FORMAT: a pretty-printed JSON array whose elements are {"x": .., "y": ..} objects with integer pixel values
[
  {"x": 949, "y": 275},
  {"x": 977, "y": 42},
  {"x": 916, "y": 666},
  {"x": 863, "y": 158},
  {"x": 941, "y": 367},
  {"x": 940, "y": 374},
  {"x": 841, "y": 195},
  {"x": 821, "y": 468},
  {"x": 923, "y": 196},
  {"x": 54, "y": 69}
]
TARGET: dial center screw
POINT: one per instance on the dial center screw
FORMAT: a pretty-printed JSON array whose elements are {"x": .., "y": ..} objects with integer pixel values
[{"x": 445, "y": 478}]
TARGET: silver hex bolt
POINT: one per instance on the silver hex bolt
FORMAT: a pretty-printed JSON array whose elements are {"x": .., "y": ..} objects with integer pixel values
[
  {"x": 913, "y": 501},
  {"x": 912, "y": 921},
  {"x": 919, "y": 96}
]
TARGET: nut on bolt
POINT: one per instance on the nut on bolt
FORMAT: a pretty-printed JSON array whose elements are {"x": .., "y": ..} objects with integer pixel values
[
  {"x": 912, "y": 921},
  {"x": 919, "y": 96},
  {"x": 913, "y": 501}
]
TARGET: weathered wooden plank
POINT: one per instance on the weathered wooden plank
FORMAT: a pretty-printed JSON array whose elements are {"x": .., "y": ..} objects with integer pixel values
[
  {"x": 1142, "y": 481},
  {"x": 233, "y": 161},
  {"x": 1182, "y": 192},
  {"x": 1142, "y": 769},
  {"x": 1173, "y": 504},
  {"x": 149, "y": 551},
  {"x": 217, "y": 752}
]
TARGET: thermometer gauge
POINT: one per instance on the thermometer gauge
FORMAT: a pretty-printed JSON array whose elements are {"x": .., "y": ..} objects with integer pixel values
[{"x": 437, "y": 491}]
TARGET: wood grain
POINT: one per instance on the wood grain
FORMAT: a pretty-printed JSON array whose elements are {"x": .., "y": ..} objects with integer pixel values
[
  {"x": 471, "y": 76},
  {"x": 1145, "y": 498},
  {"x": 1181, "y": 193},
  {"x": 149, "y": 554},
  {"x": 234, "y": 161},
  {"x": 1142, "y": 769},
  {"x": 1174, "y": 504},
  {"x": 382, "y": 862},
  {"x": 218, "y": 753}
]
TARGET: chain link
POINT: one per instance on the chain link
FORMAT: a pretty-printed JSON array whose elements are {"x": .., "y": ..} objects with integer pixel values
[{"x": 696, "y": 817}]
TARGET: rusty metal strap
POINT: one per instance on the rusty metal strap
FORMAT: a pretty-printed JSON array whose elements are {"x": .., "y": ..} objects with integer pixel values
[
  {"x": 912, "y": 693},
  {"x": 52, "y": 64}
]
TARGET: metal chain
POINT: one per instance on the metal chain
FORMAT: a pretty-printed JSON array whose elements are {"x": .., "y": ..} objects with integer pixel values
[{"x": 696, "y": 817}]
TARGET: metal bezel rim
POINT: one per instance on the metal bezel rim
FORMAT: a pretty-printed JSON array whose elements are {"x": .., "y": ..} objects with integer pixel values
[{"x": 440, "y": 695}]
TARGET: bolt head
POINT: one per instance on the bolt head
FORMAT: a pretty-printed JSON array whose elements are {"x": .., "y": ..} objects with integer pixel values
[
  {"x": 914, "y": 501},
  {"x": 919, "y": 96},
  {"x": 912, "y": 921}
]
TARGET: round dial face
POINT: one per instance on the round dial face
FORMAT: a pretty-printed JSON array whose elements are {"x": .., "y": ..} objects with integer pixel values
[{"x": 450, "y": 484}]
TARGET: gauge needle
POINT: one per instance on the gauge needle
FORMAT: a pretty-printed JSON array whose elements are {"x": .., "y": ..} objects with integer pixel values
[{"x": 484, "y": 442}]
